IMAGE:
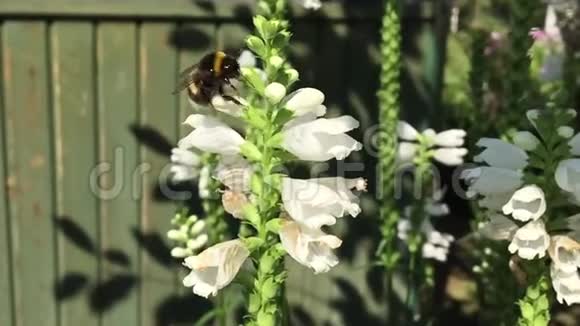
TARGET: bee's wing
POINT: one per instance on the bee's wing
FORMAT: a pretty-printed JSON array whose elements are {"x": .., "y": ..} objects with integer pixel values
[{"x": 185, "y": 79}]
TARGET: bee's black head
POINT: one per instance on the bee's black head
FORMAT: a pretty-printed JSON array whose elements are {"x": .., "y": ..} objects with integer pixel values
[{"x": 230, "y": 68}]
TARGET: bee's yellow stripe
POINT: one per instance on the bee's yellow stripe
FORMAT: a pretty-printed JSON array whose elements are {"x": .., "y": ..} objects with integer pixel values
[{"x": 217, "y": 62}]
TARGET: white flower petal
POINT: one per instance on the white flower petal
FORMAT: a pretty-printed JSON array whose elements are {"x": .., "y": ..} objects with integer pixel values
[
  {"x": 491, "y": 180},
  {"x": 450, "y": 138},
  {"x": 310, "y": 247},
  {"x": 565, "y": 253},
  {"x": 234, "y": 172},
  {"x": 566, "y": 285},
  {"x": 317, "y": 202},
  {"x": 565, "y": 131},
  {"x": 406, "y": 132},
  {"x": 215, "y": 267},
  {"x": 526, "y": 140},
  {"x": 527, "y": 203},
  {"x": 450, "y": 156},
  {"x": 211, "y": 135},
  {"x": 568, "y": 175},
  {"x": 228, "y": 106},
  {"x": 185, "y": 164},
  {"x": 431, "y": 251},
  {"x": 321, "y": 139},
  {"x": 530, "y": 241},
  {"x": 310, "y": 4},
  {"x": 575, "y": 144},
  {"x": 247, "y": 59},
  {"x": 495, "y": 201},
  {"x": 203, "y": 182},
  {"x": 306, "y": 100},
  {"x": 501, "y": 154}
]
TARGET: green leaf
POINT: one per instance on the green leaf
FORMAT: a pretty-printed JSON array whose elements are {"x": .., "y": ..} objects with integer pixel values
[
  {"x": 281, "y": 40},
  {"x": 250, "y": 151},
  {"x": 254, "y": 303},
  {"x": 256, "y": 44},
  {"x": 254, "y": 78},
  {"x": 527, "y": 311},
  {"x": 256, "y": 185},
  {"x": 283, "y": 116},
  {"x": 269, "y": 289},
  {"x": 259, "y": 23},
  {"x": 256, "y": 118},
  {"x": 275, "y": 140},
  {"x": 266, "y": 319},
  {"x": 252, "y": 243},
  {"x": 274, "y": 225},
  {"x": 251, "y": 214}
]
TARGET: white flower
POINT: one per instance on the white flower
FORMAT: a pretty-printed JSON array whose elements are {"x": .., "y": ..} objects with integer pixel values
[
  {"x": 306, "y": 100},
  {"x": 215, "y": 267},
  {"x": 275, "y": 92},
  {"x": 317, "y": 202},
  {"x": 406, "y": 132},
  {"x": 566, "y": 285},
  {"x": 234, "y": 203},
  {"x": 211, "y": 135},
  {"x": 527, "y": 203},
  {"x": 530, "y": 241},
  {"x": 501, "y": 154},
  {"x": 565, "y": 253},
  {"x": 450, "y": 138},
  {"x": 179, "y": 252},
  {"x": 203, "y": 182},
  {"x": 228, "y": 106},
  {"x": 321, "y": 139},
  {"x": 565, "y": 131},
  {"x": 235, "y": 173},
  {"x": 575, "y": 144},
  {"x": 526, "y": 140},
  {"x": 568, "y": 175},
  {"x": 185, "y": 164},
  {"x": 487, "y": 180},
  {"x": 450, "y": 156},
  {"x": 310, "y": 4},
  {"x": 309, "y": 246}
]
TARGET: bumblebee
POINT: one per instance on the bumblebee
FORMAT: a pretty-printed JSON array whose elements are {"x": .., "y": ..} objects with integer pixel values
[{"x": 208, "y": 78}]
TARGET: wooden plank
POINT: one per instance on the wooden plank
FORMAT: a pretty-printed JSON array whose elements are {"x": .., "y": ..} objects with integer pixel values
[
  {"x": 156, "y": 131},
  {"x": 232, "y": 9},
  {"x": 28, "y": 134},
  {"x": 75, "y": 153},
  {"x": 5, "y": 275},
  {"x": 117, "y": 71}
]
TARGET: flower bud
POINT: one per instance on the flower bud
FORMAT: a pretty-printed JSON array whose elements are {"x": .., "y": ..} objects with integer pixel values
[
  {"x": 198, "y": 242},
  {"x": 176, "y": 235},
  {"x": 526, "y": 140},
  {"x": 179, "y": 252},
  {"x": 292, "y": 75},
  {"x": 565, "y": 131},
  {"x": 197, "y": 227},
  {"x": 275, "y": 92},
  {"x": 276, "y": 61}
]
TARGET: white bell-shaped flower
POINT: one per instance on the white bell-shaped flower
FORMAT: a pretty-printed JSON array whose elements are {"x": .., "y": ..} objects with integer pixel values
[
  {"x": 185, "y": 164},
  {"x": 526, "y": 140},
  {"x": 406, "y": 151},
  {"x": 450, "y": 156},
  {"x": 527, "y": 203},
  {"x": 450, "y": 138},
  {"x": 321, "y": 139},
  {"x": 566, "y": 285},
  {"x": 530, "y": 241},
  {"x": 565, "y": 253},
  {"x": 306, "y": 100},
  {"x": 215, "y": 267},
  {"x": 317, "y": 202},
  {"x": 568, "y": 175},
  {"x": 431, "y": 251},
  {"x": 487, "y": 180},
  {"x": 309, "y": 246},
  {"x": 406, "y": 132},
  {"x": 235, "y": 173},
  {"x": 500, "y": 154},
  {"x": 574, "y": 143},
  {"x": 498, "y": 227},
  {"x": 211, "y": 135}
]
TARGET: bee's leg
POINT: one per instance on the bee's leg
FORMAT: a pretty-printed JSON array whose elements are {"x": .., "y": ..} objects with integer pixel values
[
  {"x": 229, "y": 82},
  {"x": 231, "y": 99}
]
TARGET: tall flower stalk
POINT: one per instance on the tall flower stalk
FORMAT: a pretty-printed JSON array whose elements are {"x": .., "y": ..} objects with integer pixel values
[
  {"x": 280, "y": 214},
  {"x": 389, "y": 106}
]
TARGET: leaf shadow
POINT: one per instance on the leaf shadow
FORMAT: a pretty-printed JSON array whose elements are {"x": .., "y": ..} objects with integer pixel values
[
  {"x": 152, "y": 138},
  {"x": 70, "y": 285},
  {"x": 75, "y": 234},
  {"x": 155, "y": 247},
  {"x": 112, "y": 291},
  {"x": 181, "y": 309}
]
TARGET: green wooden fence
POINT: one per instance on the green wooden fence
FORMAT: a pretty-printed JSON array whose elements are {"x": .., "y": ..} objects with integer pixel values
[{"x": 87, "y": 84}]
